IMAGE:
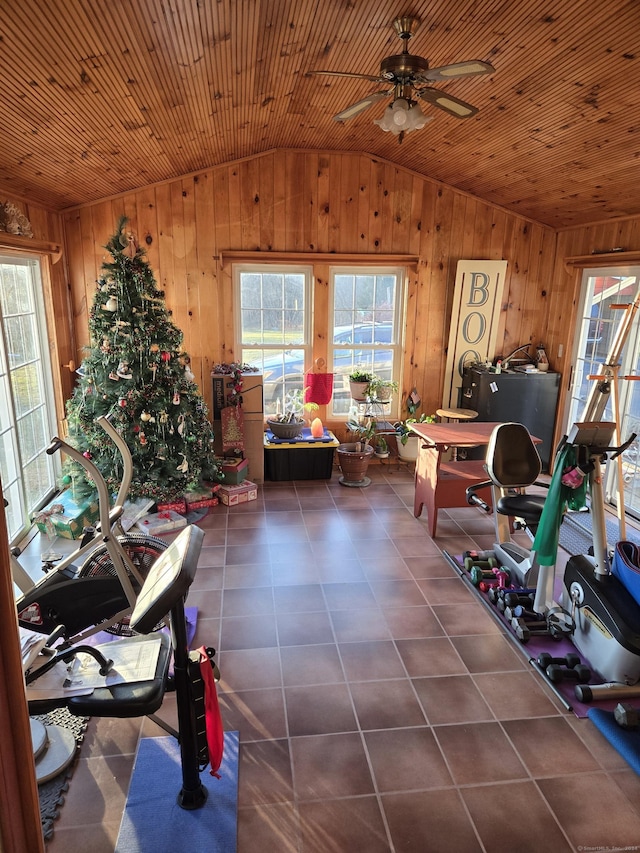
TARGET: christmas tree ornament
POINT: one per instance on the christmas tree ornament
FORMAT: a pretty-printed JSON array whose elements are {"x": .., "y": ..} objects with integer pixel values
[
  {"x": 165, "y": 356},
  {"x": 154, "y": 367},
  {"x": 184, "y": 465},
  {"x": 181, "y": 425},
  {"x": 154, "y": 348},
  {"x": 114, "y": 376},
  {"x": 87, "y": 454},
  {"x": 142, "y": 438},
  {"x": 145, "y": 416},
  {"x": 176, "y": 398},
  {"x": 111, "y": 304},
  {"x": 123, "y": 370}
]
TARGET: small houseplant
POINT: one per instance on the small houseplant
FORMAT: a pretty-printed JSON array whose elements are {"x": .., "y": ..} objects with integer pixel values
[
  {"x": 382, "y": 389},
  {"x": 408, "y": 440},
  {"x": 359, "y": 384},
  {"x": 381, "y": 448},
  {"x": 291, "y": 422}
]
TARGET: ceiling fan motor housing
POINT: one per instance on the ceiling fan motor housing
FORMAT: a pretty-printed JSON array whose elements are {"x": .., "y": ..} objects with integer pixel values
[{"x": 403, "y": 66}]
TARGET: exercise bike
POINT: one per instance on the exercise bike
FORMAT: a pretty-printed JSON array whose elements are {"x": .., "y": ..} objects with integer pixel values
[
  {"x": 100, "y": 593},
  {"x": 513, "y": 465}
]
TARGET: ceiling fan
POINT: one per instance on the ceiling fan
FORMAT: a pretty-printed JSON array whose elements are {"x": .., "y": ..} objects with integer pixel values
[{"x": 408, "y": 76}]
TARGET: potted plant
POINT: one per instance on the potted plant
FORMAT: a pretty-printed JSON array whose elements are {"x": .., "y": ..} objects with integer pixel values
[
  {"x": 359, "y": 384},
  {"x": 290, "y": 423},
  {"x": 381, "y": 448},
  {"x": 408, "y": 441},
  {"x": 382, "y": 389},
  {"x": 354, "y": 457}
]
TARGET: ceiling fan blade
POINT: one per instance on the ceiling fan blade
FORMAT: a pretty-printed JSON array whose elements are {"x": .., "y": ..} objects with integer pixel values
[
  {"x": 470, "y": 68},
  {"x": 360, "y": 106},
  {"x": 458, "y": 108},
  {"x": 346, "y": 74}
]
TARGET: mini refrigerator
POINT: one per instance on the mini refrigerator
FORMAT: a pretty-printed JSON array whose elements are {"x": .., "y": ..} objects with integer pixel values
[{"x": 526, "y": 398}]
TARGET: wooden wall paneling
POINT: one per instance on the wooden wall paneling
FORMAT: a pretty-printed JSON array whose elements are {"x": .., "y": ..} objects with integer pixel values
[
  {"x": 223, "y": 304},
  {"x": 498, "y": 227},
  {"x": 235, "y": 207},
  {"x": 310, "y": 218},
  {"x": 125, "y": 205},
  {"x": 386, "y": 207},
  {"x": 177, "y": 296},
  {"x": 266, "y": 206},
  {"x": 295, "y": 219},
  {"x": 279, "y": 202},
  {"x": 250, "y": 204},
  {"x": 365, "y": 243},
  {"x": 192, "y": 321},
  {"x": 349, "y": 204},
  {"x": 147, "y": 232},
  {"x": 323, "y": 203},
  {"x": 375, "y": 184},
  {"x": 335, "y": 202},
  {"x": 415, "y": 215},
  {"x": 205, "y": 334},
  {"x": 400, "y": 231}
]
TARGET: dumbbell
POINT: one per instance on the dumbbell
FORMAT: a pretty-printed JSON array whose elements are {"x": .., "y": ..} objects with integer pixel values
[
  {"x": 520, "y": 612},
  {"x": 500, "y": 580},
  {"x": 579, "y": 673},
  {"x": 626, "y": 715},
  {"x": 512, "y": 598},
  {"x": 570, "y": 660},
  {"x": 478, "y": 555},
  {"x": 525, "y": 630}
]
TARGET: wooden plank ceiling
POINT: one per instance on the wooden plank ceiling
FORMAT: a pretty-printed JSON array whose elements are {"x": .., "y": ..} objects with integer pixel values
[{"x": 99, "y": 97}]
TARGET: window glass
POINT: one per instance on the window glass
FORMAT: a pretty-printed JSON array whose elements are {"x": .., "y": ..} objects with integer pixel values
[
  {"x": 274, "y": 308},
  {"x": 27, "y": 416}
]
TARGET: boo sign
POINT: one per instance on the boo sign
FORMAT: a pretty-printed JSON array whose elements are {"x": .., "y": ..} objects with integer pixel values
[{"x": 474, "y": 320}]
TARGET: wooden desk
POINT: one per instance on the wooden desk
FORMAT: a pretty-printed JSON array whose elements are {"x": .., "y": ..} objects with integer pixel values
[{"x": 439, "y": 484}]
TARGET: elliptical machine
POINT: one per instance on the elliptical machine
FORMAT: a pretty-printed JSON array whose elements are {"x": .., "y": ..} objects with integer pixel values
[{"x": 100, "y": 594}]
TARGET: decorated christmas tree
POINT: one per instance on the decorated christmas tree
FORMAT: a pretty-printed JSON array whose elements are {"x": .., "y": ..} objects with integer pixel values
[{"x": 137, "y": 374}]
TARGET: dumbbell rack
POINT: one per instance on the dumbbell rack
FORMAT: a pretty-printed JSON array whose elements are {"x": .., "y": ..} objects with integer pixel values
[{"x": 483, "y": 595}]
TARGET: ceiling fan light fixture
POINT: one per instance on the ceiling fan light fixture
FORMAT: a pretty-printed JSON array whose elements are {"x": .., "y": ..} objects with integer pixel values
[{"x": 402, "y": 116}]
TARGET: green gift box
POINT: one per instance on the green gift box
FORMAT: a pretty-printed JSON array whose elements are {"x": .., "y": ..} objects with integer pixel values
[{"x": 68, "y": 517}]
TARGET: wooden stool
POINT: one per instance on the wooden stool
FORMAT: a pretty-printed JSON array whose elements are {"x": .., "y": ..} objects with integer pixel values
[{"x": 456, "y": 415}]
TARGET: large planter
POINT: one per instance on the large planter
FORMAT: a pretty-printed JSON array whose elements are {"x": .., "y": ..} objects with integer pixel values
[
  {"x": 353, "y": 459},
  {"x": 409, "y": 452},
  {"x": 285, "y": 430}
]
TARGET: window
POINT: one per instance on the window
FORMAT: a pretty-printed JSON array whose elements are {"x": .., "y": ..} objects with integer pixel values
[
  {"x": 599, "y": 322},
  {"x": 367, "y": 324},
  {"x": 274, "y": 310},
  {"x": 27, "y": 420}
]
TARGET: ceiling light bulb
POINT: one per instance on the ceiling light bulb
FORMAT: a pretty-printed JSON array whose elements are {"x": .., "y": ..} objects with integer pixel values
[{"x": 400, "y": 112}]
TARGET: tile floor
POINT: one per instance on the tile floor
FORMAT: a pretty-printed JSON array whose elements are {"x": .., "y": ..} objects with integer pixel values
[{"x": 380, "y": 707}]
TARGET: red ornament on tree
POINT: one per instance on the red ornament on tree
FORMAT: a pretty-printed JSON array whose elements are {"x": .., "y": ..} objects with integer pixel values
[
  {"x": 165, "y": 356},
  {"x": 87, "y": 455}
]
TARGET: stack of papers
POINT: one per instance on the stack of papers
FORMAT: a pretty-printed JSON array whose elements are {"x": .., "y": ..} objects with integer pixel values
[{"x": 132, "y": 661}]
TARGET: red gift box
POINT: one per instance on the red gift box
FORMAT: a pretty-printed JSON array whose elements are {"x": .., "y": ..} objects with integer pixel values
[
  {"x": 175, "y": 506},
  {"x": 191, "y": 505}
]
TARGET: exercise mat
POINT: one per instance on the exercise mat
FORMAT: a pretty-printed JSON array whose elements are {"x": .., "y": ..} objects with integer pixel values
[
  {"x": 152, "y": 819},
  {"x": 625, "y": 741},
  {"x": 51, "y": 793},
  {"x": 538, "y": 644}
]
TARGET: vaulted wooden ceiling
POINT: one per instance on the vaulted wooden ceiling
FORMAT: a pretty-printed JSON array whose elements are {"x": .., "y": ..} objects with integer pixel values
[{"x": 98, "y": 97}]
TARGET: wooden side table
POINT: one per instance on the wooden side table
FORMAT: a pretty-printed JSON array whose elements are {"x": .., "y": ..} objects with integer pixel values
[
  {"x": 456, "y": 415},
  {"x": 440, "y": 484}
]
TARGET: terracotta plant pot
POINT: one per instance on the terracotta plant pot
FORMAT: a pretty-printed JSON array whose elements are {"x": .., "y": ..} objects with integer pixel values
[
  {"x": 358, "y": 391},
  {"x": 354, "y": 459}
]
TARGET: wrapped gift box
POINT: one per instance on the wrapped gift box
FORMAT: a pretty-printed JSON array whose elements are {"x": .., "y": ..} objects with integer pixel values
[
  {"x": 235, "y": 471},
  {"x": 161, "y": 522},
  {"x": 233, "y": 495},
  {"x": 179, "y": 505},
  {"x": 71, "y": 518},
  {"x": 200, "y": 498}
]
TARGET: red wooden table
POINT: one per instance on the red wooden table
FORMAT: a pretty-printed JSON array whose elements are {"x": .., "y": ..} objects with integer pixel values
[{"x": 441, "y": 484}]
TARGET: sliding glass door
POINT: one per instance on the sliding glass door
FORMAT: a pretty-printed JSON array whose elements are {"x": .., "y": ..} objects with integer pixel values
[
  {"x": 603, "y": 291},
  {"x": 27, "y": 420}
]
